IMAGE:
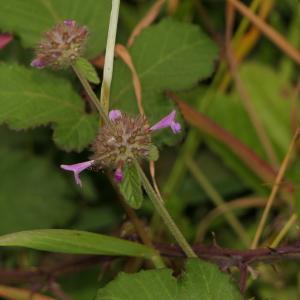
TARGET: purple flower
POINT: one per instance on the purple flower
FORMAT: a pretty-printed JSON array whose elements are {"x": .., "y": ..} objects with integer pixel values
[
  {"x": 118, "y": 175},
  {"x": 77, "y": 168},
  {"x": 70, "y": 23},
  {"x": 114, "y": 114},
  {"x": 168, "y": 121},
  {"x": 38, "y": 63}
]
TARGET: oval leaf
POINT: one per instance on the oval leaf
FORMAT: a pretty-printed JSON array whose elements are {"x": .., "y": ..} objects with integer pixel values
[
  {"x": 87, "y": 70},
  {"x": 131, "y": 187}
]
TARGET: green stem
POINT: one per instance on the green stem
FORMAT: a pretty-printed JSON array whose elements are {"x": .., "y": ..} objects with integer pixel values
[
  {"x": 158, "y": 261},
  {"x": 162, "y": 211},
  {"x": 109, "y": 55},
  {"x": 284, "y": 231},
  {"x": 156, "y": 258},
  {"x": 91, "y": 94},
  {"x": 244, "y": 23}
]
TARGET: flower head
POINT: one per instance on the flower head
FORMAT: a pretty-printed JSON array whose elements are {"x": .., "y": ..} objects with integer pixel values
[
  {"x": 120, "y": 142},
  {"x": 125, "y": 139},
  {"x": 61, "y": 45}
]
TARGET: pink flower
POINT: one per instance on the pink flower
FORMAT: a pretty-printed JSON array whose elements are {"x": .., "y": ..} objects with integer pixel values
[
  {"x": 168, "y": 121},
  {"x": 114, "y": 114},
  {"x": 38, "y": 63},
  {"x": 77, "y": 168},
  {"x": 5, "y": 39},
  {"x": 118, "y": 175}
]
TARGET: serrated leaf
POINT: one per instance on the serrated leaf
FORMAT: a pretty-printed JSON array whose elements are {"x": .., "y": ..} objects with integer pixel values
[
  {"x": 131, "y": 187},
  {"x": 167, "y": 55},
  {"x": 29, "y": 19},
  {"x": 30, "y": 98},
  {"x": 75, "y": 242},
  {"x": 201, "y": 281},
  {"x": 87, "y": 70},
  {"x": 32, "y": 193}
]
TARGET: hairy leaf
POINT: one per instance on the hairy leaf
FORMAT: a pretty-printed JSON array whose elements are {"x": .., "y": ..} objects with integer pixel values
[
  {"x": 29, "y": 19},
  {"x": 75, "y": 242},
  {"x": 32, "y": 193},
  {"x": 87, "y": 70},
  {"x": 131, "y": 187},
  {"x": 31, "y": 98},
  {"x": 201, "y": 281}
]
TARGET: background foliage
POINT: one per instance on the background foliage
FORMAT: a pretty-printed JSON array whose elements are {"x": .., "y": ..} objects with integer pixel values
[{"x": 46, "y": 120}]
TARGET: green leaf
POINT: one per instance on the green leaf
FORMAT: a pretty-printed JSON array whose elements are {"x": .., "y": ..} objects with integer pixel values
[
  {"x": 273, "y": 105},
  {"x": 273, "y": 108},
  {"x": 30, "y": 19},
  {"x": 32, "y": 193},
  {"x": 131, "y": 187},
  {"x": 87, "y": 70},
  {"x": 75, "y": 242},
  {"x": 201, "y": 281},
  {"x": 167, "y": 55},
  {"x": 30, "y": 98}
]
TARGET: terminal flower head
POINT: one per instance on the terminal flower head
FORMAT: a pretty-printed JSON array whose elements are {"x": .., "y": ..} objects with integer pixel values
[
  {"x": 121, "y": 141},
  {"x": 61, "y": 45}
]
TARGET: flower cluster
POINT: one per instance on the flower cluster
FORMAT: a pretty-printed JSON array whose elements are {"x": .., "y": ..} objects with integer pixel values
[
  {"x": 61, "y": 46},
  {"x": 121, "y": 141}
]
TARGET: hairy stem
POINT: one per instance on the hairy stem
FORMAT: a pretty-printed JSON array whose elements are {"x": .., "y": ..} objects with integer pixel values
[
  {"x": 162, "y": 211},
  {"x": 109, "y": 55},
  {"x": 91, "y": 94}
]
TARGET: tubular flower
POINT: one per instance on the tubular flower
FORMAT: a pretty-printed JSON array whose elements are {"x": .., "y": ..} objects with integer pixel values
[
  {"x": 120, "y": 142},
  {"x": 77, "y": 168},
  {"x": 168, "y": 121},
  {"x": 61, "y": 45}
]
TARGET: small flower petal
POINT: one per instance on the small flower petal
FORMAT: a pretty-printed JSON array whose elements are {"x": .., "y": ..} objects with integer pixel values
[
  {"x": 77, "y": 168},
  {"x": 176, "y": 127},
  {"x": 168, "y": 121},
  {"x": 114, "y": 114},
  {"x": 71, "y": 23},
  {"x": 118, "y": 175},
  {"x": 38, "y": 63}
]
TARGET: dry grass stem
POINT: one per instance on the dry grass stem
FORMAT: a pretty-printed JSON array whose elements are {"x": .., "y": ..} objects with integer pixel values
[{"x": 275, "y": 189}]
